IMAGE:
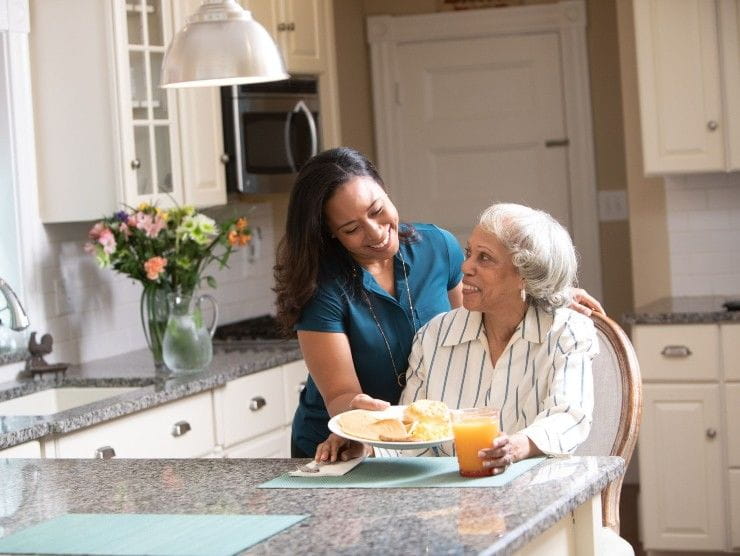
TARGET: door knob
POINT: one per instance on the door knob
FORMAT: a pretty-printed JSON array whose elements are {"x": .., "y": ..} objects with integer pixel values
[
  {"x": 712, "y": 125},
  {"x": 180, "y": 428},
  {"x": 225, "y": 158},
  {"x": 711, "y": 433},
  {"x": 105, "y": 452},
  {"x": 257, "y": 403},
  {"x": 135, "y": 164}
]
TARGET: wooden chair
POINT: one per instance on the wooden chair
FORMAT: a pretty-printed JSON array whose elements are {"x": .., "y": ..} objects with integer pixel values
[{"x": 617, "y": 408}]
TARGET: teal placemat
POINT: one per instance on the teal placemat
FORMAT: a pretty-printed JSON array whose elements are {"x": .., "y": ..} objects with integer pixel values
[
  {"x": 146, "y": 534},
  {"x": 406, "y": 472}
]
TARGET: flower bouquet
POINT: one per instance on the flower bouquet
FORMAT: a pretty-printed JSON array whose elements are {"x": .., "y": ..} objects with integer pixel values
[{"x": 167, "y": 251}]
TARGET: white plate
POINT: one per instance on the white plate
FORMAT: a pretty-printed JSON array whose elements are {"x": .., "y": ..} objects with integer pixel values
[{"x": 393, "y": 412}]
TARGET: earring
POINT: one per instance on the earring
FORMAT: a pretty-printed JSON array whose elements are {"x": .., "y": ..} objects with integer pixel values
[{"x": 524, "y": 294}]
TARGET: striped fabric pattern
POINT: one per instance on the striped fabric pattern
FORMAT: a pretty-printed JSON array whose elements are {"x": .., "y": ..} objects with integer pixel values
[{"x": 542, "y": 381}]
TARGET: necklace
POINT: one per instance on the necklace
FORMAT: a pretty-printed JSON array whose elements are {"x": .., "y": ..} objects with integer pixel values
[{"x": 400, "y": 376}]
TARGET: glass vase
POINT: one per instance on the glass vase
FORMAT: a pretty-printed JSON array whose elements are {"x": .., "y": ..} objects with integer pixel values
[
  {"x": 187, "y": 346},
  {"x": 154, "y": 313}
]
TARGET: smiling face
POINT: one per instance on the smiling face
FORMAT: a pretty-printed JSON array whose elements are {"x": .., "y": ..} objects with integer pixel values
[
  {"x": 364, "y": 220},
  {"x": 491, "y": 282}
]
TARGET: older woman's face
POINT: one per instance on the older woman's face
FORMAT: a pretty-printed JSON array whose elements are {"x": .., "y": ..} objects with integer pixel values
[
  {"x": 490, "y": 281},
  {"x": 364, "y": 220}
]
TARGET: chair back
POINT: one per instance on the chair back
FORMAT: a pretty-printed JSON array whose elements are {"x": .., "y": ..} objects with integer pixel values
[{"x": 617, "y": 407}]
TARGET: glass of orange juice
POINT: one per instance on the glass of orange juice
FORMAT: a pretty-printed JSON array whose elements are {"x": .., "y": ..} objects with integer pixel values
[{"x": 474, "y": 430}]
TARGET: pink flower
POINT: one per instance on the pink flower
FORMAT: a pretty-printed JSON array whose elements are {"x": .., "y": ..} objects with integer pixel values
[
  {"x": 156, "y": 226},
  {"x": 154, "y": 267},
  {"x": 124, "y": 229},
  {"x": 108, "y": 241},
  {"x": 150, "y": 224},
  {"x": 95, "y": 231},
  {"x": 131, "y": 222}
]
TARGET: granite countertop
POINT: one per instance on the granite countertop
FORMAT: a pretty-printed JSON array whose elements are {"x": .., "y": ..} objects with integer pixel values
[
  {"x": 134, "y": 369},
  {"x": 496, "y": 520},
  {"x": 705, "y": 309}
]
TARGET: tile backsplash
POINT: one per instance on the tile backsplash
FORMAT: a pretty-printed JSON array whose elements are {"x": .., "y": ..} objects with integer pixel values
[
  {"x": 93, "y": 313},
  {"x": 704, "y": 233}
]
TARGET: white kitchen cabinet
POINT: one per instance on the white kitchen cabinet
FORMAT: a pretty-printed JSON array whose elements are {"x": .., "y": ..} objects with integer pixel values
[
  {"x": 31, "y": 449},
  {"x": 270, "y": 445},
  {"x": 180, "y": 429},
  {"x": 689, "y": 85},
  {"x": 295, "y": 375},
  {"x": 735, "y": 508},
  {"x": 304, "y": 33},
  {"x": 689, "y": 444},
  {"x": 106, "y": 134}
]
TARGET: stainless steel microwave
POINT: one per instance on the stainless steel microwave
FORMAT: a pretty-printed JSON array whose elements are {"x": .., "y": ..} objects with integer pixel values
[{"x": 270, "y": 131}]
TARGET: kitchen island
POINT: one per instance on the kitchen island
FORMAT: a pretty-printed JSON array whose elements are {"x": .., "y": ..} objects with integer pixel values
[{"x": 550, "y": 509}]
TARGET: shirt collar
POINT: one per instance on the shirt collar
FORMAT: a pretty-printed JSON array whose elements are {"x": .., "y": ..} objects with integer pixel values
[{"x": 468, "y": 326}]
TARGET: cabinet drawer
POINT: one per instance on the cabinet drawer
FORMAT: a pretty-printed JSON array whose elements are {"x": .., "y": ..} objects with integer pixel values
[
  {"x": 730, "y": 338},
  {"x": 252, "y": 405},
  {"x": 732, "y": 403},
  {"x": 678, "y": 352},
  {"x": 295, "y": 375},
  {"x": 30, "y": 449},
  {"x": 735, "y": 508},
  {"x": 149, "y": 434}
]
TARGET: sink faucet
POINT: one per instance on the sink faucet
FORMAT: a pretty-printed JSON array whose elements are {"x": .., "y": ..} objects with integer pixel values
[{"x": 18, "y": 317}]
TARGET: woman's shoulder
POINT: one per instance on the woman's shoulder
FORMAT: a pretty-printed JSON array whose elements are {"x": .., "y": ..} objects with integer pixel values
[
  {"x": 578, "y": 324},
  {"x": 458, "y": 317}
]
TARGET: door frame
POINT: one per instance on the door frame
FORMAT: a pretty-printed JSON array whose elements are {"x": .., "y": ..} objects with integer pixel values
[{"x": 386, "y": 33}]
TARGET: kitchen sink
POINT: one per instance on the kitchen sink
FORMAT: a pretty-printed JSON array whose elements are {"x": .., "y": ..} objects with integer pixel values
[{"x": 55, "y": 400}]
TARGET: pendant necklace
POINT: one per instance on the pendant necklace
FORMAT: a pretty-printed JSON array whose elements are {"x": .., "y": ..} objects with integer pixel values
[{"x": 400, "y": 377}]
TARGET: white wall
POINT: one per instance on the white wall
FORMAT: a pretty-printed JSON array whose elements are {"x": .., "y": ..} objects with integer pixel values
[{"x": 704, "y": 233}]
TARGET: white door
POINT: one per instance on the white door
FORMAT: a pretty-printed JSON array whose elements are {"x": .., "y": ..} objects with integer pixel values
[
  {"x": 681, "y": 469},
  {"x": 476, "y": 118}
]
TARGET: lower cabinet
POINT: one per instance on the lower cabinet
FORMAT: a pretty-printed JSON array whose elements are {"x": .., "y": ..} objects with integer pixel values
[
  {"x": 270, "y": 445},
  {"x": 178, "y": 429}
]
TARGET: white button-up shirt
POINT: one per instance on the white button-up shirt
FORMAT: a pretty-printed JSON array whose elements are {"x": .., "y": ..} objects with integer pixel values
[{"x": 542, "y": 382}]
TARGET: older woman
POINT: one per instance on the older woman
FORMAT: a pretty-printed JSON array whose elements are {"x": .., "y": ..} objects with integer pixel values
[{"x": 513, "y": 344}]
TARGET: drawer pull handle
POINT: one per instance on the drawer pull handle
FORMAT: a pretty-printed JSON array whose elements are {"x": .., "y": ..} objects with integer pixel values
[
  {"x": 257, "y": 403},
  {"x": 105, "y": 452},
  {"x": 675, "y": 351},
  {"x": 711, "y": 433},
  {"x": 301, "y": 386},
  {"x": 180, "y": 428}
]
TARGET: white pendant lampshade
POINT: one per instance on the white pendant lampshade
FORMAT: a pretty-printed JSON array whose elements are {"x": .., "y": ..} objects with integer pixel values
[{"x": 221, "y": 44}]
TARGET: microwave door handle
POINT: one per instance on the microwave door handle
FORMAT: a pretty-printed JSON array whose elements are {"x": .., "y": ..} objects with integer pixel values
[
  {"x": 300, "y": 105},
  {"x": 237, "y": 139}
]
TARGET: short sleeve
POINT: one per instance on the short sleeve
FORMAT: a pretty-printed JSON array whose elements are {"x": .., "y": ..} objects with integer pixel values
[
  {"x": 324, "y": 312},
  {"x": 456, "y": 257}
]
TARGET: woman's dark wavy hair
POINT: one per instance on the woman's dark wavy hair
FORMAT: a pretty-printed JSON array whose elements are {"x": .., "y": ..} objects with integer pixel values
[{"x": 307, "y": 245}]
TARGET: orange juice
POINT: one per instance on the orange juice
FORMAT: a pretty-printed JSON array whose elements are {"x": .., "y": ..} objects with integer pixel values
[{"x": 474, "y": 430}]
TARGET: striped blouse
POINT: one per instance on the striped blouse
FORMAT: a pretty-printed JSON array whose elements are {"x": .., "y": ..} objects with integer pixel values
[{"x": 542, "y": 381}]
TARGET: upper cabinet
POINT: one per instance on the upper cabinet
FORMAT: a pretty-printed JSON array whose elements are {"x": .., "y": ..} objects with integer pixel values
[
  {"x": 106, "y": 133},
  {"x": 304, "y": 33},
  {"x": 688, "y": 62}
]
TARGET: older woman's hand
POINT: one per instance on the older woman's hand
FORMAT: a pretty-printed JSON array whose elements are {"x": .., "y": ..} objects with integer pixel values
[
  {"x": 337, "y": 448},
  {"x": 507, "y": 450},
  {"x": 585, "y": 303}
]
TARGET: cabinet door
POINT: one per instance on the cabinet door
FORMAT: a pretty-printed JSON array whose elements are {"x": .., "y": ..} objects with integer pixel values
[
  {"x": 148, "y": 113},
  {"x": 201, "y": 134},
  {"x": 729, "y": 21},
  {"x": 679, "y": 86},
  {"x": 266, "y": 12},
  {"x": 30, "y": 449},
  {"x": 271, "y": 445},
  {"x": 681, "y": 469},
  {"x": 735, "y": 508},
  {"x": 730, "y": 343},
  {"x": 303, "y": 40},
  {"x": 732, "y": 403}
]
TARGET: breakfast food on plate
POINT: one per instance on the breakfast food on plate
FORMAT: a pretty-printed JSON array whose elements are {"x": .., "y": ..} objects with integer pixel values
[
  {"x": 431, "y": 419},
  {"x": 423, "y": 420}
]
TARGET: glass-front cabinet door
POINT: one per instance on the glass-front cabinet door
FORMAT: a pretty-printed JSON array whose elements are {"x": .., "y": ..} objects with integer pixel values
[{"x": 148, "y": 113}]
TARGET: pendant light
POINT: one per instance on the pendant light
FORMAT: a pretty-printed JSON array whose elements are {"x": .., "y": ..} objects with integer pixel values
[{"x": 221, "y": 44}]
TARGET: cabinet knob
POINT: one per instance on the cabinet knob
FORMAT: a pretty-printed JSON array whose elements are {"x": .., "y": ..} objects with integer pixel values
[
  {"x": 712, "y": 125},
  {"x": 290, "y": 26},
  {"x": 711, "y": 433},
  {"x": 282, "y": 27},
  {"x": 301, "y": 386},
  {"x": 105, "y": 452},
  {"x": 257, "y": 403},
  {"x": 180, "y": 428},
  {"x": 135, "y": 164},
  {"x": 225, "y": 158},
  {"x": 675, "y": 351}
]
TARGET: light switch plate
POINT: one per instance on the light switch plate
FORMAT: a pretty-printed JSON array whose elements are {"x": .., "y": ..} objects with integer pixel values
[{"x": 613, "y": 205}]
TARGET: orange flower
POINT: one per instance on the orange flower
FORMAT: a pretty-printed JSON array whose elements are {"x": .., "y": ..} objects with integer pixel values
[
  {"x": 233, "y": 237},
  {"x": 241, "y": 224},
  {"x": 244, "y": 239},
  {"x": 154, "y": 267}
]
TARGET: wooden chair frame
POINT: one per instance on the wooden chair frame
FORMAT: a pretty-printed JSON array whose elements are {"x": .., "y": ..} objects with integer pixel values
[{"x": 631, "y": 414}]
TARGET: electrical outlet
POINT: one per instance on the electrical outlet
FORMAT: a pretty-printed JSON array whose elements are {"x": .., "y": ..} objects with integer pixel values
[
  {"x": 62, "y": 298},
  {"x": 613, "y": 205}
]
